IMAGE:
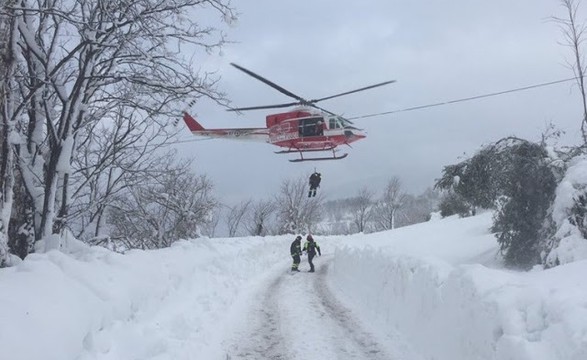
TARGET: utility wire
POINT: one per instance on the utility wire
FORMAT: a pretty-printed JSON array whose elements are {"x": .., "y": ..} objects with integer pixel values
[
  {"x": 465, "y": 99},
  {"x": 169, "y": 143},
  {"x": 420, "y": 107}
]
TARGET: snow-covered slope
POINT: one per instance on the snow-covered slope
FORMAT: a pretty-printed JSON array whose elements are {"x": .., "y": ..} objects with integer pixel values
[
  {"x": 165, "y": 304},
  {"x": 438, "y": 285}
]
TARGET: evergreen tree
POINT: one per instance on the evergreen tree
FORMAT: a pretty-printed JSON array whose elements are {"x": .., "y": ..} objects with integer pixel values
[
  {"x": 453, "y": 203},
  {"x": 527, "y": 195},
  {"x": 514, "y": 176}
]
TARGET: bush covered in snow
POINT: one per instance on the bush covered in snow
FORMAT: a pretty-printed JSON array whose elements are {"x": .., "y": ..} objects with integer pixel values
[
  {"x": 516, "y": 177},
  {"x": 567, "y": 220},
  {"x": 454, "y": 204}
]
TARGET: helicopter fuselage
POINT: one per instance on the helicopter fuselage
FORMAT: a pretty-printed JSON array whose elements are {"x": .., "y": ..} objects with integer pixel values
[{"x": 304, "y": 130}]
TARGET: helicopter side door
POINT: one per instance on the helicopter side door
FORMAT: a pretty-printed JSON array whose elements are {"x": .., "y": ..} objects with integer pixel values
[{"x": 310, "y": 126}]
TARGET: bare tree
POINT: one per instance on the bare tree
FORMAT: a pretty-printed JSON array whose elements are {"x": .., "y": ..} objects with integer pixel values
[
  {"x": 338, "y": 217},
  {"x": 7, "y": 123},
  {"x": 76, "y": 58},
  {"x": 105, "y": 154},
  {"x": 392, "y": 200},
  {"x": 296, "y": 212},
  {"x": 257, "y": 221},
  {"x": 417, "y": 209},
  {"x": 360, "y": 207},
  {"x": 235, "y": 216},
  {"x": 574, "y": 34},
  {"x": 166, "y": 205},
  {"x": 208, "y": 228}
]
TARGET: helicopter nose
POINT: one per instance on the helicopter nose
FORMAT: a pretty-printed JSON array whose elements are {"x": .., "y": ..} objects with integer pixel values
[{"x": 354, "y": 134}]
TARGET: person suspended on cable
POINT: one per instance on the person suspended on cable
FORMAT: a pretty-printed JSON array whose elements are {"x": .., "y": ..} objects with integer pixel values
[{"x": 315, "y": 179}]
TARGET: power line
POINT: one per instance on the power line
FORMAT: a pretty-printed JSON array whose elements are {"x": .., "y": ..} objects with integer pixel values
[
  {"x": 465, "y": 99},
  {"x": 169, "y": 143},
  {"x": 419, "y": 107}
]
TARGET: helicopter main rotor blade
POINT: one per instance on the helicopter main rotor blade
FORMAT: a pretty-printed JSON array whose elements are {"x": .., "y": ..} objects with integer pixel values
[
  {"x": 322, "y": 109},
  {"x": 273, "y": 85},
  {"x": 276, "y": 106},
  {"x": 352, "y": 91}
]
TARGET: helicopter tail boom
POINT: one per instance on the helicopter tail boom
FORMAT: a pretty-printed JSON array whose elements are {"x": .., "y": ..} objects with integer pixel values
[
  {"x": 192, "y": 124},
  {"x": 247, "y": 134}
]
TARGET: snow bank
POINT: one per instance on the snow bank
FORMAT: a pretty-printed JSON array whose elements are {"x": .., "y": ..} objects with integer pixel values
[
  {"x": 570, "y": 245},
  {"x": 420, "y": 285},
  {"x": 140, "y": 305},
  {"x": 439, "y": 285}
]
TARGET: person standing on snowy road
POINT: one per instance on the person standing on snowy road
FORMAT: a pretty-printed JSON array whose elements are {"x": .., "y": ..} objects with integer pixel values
[
  {"x": 296, "y": 251},
  {"x": 310, "y": 247}
]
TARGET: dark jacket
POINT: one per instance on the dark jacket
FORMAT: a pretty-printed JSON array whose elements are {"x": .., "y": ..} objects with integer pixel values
[
  {"x": 311, "y": 247},
  {"x": 315, "y": 180},
  {"x": 296, "y": 247}
]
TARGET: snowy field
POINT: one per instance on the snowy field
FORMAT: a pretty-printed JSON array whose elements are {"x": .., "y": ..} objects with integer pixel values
[{"x": 430, "y": 291}]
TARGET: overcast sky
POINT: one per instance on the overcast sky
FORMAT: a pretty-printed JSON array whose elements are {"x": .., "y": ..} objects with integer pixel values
[{"x": 436, "y": 50}]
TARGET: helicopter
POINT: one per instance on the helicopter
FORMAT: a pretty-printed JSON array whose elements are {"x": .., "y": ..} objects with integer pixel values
[{"x": 308, "y": 128}]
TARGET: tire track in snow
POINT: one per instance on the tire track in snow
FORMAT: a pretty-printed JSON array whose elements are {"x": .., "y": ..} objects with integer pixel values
[
  {"x": 299, "y": 318},
  {"x": 363, "y": 344},
  {"x": 264, "y": 340}
]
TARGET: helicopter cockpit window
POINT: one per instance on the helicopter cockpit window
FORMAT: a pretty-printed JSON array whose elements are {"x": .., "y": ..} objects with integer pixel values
[
  {"x": 309, "y": 126},
  {"x": 338, "y": 122},
  {"x": 347, "y": 124},
  {"x": 334, "y": 123}
]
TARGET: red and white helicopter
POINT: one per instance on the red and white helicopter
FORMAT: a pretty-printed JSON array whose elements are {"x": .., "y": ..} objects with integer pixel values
[{"x": 307, "y": 128}]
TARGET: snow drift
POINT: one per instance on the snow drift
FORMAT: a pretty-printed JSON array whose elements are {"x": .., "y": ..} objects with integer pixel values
[
  {"x": 451, "y": 307},
  {"x": 438, "y": 284},
  {"x": 569, "y": 244}
]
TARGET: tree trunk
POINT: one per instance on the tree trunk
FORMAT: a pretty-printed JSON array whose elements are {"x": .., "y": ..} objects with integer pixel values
[
  {"x": 392, "y": 219},
  {"x": 21, "y": 231},
  {"x": 48, "y": 213},
  {"x": 7, "y": 29},
  {"x": 61, "y": 220}
]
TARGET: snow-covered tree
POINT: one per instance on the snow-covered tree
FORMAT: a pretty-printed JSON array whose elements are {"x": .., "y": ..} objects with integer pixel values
[
  {"x": 165, "y": 205},
  {"x": 105, "y": 154},
  {"x": 453, "y": 203},
  {"x": 235, "y": 216},
  {"x": 208, "y": 228},
  {"x": 573, "y": 30},
  {"x": 296, "y": 212},
  {"x": 527, "y": 195},
  {"x": 360, "y": 207},
  {"x": 417, "y": 209},
  {"x": 386, "y": 209},
  {"x": 566, "y": 228},
  {"x": 337, "y": 217},
  {"x": 258, "y": 219},
  {"x": 78, "y": 59},
  {"x": 476, "y": 180},
  {"x": 7, "y": 122},
  {"x": 517, "y": 177}
]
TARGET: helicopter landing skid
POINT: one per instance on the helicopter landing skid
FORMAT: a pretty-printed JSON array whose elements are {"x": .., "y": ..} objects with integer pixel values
[
  {"x": 305, "y": 150},
  {"x": 321, "y": 158}
]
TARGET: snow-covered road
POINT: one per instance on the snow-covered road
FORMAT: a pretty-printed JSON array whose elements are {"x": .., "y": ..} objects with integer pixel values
[
  {"x": 297, "y": 316},
  {"x": 431, "y": 291}
]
